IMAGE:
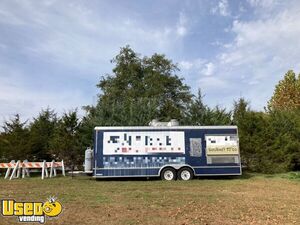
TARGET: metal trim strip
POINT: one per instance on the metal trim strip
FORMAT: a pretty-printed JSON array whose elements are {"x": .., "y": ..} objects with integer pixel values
[
  {"x": 164, "y": 128},
  {"x": 120, "y": 168}
]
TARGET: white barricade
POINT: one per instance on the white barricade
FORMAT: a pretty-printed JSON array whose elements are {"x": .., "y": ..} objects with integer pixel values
[{"x": 18, "y": 167}]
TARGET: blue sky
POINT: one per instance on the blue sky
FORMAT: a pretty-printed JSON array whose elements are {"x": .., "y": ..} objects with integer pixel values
[{"x": 52, "y": 53}]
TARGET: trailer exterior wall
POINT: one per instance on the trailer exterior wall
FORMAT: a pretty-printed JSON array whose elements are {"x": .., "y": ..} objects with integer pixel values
[{"x": 119, "y": 164}]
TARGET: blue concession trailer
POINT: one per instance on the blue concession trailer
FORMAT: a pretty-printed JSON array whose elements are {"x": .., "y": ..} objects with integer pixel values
[{"x": 169, "y": 152}]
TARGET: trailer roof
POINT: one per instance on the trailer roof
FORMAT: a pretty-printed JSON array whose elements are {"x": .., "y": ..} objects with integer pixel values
[{"x": 163, "y": 128}]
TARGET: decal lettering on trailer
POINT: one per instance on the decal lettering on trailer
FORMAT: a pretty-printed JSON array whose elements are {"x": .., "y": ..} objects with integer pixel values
[
  {"x": 222, "y": 145},
  {"x": 143, "y": 143}
]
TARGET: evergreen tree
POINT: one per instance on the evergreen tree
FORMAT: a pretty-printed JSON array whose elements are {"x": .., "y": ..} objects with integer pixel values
[
  {"x": 65, "y": 144},
  {"x": 2, "y": 147},
  {"x": 269, "y": 142},
  {"x": 197, "y": 111},
  {"x": 240, "y": 108},
  {"x": 41, "y": 132},
  {"x": 200, "y": 114},
  {"x": 14, "y": 140}
]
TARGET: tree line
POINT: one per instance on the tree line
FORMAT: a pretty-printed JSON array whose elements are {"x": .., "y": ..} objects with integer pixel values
[{"x": 140, "y": 89}]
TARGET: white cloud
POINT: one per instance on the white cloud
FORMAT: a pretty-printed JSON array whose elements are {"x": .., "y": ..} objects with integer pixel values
[
  {"x": 262, "y": 51},
  {"x": 242, "y": 8},
  {"x": 181, "y": 25},
  {"x": 201, "y": 74},
  {"x": 72, "y": 36},
  {"x": 265, "y": 41},
  {"x": 212, "y": 83},
  {"x": 79, "y": 37},
  {"x": 186, "y": 65},
  {"x": 198, "y": 66},
  {"x": 17, "y": 96},
  {"x": 68, "y": 32},
  {"x": 222, "y": 8},
  {"x": 209, "y": 69},
  {"x": 262, "y": 3},
  {"x": 195, "y": 64}
]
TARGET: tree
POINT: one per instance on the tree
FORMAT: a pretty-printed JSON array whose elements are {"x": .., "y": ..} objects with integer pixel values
[
  {"x": 200, "y": 114},
  {"x": 219, "y": 116},
  {"x": 138, "y": 90},
  {"x": 41, "y": 132},
  {"x": 136, "y": 83},
  {"x": 251, "y": 130},
  {"x": 65, "y": 144},
  {"x": 14, "y": 140},
  {"x": 269, "y": 142},
  {"x": 127, "y": 112},
  {"x": 285, "y": 130},
  {"x": 2, "y": 147},
  {"x": 197, "y": 111},
  {"x": 240, "y": 108},
  {"x": 287, "y": 93}
]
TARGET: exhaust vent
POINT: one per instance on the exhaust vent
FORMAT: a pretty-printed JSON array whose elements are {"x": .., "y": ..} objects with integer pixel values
[{"x": 171, "y": 123}]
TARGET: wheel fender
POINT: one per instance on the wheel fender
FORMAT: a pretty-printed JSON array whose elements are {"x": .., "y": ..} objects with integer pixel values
[{"x": 188, "y": 166}]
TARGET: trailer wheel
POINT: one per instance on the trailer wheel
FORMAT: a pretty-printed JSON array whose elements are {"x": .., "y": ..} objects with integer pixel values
[
  {"x": 185, "y": 174},
  {"x": 168, "y": 174}
]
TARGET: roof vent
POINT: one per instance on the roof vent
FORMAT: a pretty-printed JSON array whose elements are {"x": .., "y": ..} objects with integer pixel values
[{"x": 156, "y": 123}]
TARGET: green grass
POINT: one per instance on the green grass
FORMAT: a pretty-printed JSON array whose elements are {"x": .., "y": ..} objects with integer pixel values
[
  {"x": 250, "y": 199},
  {"x": 293, "y": 176},
  {"x": 290, "y": 175}
]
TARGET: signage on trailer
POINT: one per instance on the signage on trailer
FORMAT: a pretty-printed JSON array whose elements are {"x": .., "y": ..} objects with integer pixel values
[
  {"x": 222, "y": 145},
  {"x": 171, "y": 152},
  {"x": 143, "y": 143}
]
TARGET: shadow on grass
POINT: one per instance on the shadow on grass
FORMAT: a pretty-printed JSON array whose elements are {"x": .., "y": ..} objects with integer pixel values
[
  {"x": 238, "y": 177},
  {"x": 246, "y": 175}
]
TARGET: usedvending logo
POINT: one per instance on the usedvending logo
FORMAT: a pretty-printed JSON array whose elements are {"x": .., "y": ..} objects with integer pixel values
[{"x": 31, "y": 211}]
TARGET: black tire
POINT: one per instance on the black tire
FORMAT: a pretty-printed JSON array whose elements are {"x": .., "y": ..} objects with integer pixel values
[
  {"x": 168, "y": 174},
  {"x": 185, "y": 173}
]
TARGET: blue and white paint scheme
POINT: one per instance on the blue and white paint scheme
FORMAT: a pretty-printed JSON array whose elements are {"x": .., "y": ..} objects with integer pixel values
[{"x": 147, "y": 151}]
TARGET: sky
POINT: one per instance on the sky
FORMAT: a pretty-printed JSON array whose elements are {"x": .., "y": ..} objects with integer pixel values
[{"x": 53, "y": 52}]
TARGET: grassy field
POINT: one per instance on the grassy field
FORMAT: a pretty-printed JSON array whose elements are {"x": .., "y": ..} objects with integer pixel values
[{"x": 247, "y": 200}]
